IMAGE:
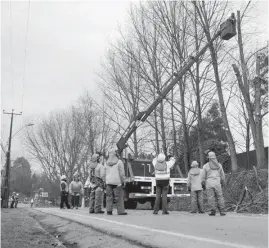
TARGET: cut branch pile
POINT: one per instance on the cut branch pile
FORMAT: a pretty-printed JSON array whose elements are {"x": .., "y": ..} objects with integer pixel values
[{"x": 247, "y": 191}]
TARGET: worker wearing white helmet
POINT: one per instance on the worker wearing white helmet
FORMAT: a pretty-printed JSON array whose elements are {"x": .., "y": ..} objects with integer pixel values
[
  {"x": 162, "y": 176},
  {"x": 64, "y": 192},
  {"x": 194, "y": 184},
  {"x": 76, "y": 190},
  {"x": 114, "y": 177},
  {"x": 213, "y": 176},
  {"x": 96, "y": 184},
  {"x": 16, "y": 200}
]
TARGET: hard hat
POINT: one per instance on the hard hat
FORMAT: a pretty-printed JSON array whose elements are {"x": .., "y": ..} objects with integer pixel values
[
  {"x": 211, "y": 155},
  {"x": 194, "y": 164},
  {"x": 161, "y": 157},
  {"x": 63, "y": 177},
  {"x": 95, "y": 157},
  {"x": 17, "y": 194}
]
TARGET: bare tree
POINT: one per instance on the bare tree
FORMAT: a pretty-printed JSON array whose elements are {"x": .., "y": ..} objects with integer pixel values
[
  {"x": 259, "y": 83},
  {"x": 210, "y": 19}
]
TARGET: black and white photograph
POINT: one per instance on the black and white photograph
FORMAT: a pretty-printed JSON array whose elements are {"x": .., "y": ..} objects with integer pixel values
[{"x": 134, "y": 123}]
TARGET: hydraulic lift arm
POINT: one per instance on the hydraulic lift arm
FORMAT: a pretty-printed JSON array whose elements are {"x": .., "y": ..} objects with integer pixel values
[{"x": 227, "y": 31}]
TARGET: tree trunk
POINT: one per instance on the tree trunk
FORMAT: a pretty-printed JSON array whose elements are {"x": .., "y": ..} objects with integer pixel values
[
  {"x": 248, "y": 144},
  {"x": 197, "y": 82},
  {"x": 164, "y": 147},
  {"x": 255, "y": 121},
  {"x": 258, "y": 118},
  {"x": 185, "y": 129},
  {"x": 221, "y": 100},
  {"x": 156, "y": 133}
]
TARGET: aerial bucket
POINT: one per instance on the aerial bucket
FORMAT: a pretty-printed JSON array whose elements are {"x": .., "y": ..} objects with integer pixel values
[{"x": 228, "y": 28}]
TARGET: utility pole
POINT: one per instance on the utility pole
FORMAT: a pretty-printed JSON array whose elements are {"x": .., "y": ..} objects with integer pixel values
[{"x": 7, "y": 184}]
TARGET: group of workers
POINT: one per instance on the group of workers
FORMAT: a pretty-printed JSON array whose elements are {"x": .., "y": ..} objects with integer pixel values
[{"x": 110, "y": 179}]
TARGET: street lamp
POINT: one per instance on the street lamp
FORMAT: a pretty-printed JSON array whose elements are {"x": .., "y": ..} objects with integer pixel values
[{"x": 7, "y": 183}]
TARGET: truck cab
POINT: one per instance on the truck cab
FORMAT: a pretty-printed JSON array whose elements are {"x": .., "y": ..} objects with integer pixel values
[{"x": 142, "y": 184}]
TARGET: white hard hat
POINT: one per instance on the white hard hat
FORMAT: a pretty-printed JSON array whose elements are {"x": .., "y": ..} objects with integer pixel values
[
  {"x": 161, "y": 157},
  {"x": 63, "y": 177},
  {"x": 211, "y": 155}
]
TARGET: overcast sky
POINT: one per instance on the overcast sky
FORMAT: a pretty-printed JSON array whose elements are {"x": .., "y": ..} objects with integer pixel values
[{"x": 66, "y": 41}]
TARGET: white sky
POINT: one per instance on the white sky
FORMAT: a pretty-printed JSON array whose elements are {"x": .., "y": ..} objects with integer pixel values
[{"x": 66, "y": 41}]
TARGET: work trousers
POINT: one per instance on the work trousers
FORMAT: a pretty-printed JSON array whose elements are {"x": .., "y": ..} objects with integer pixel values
[
  {"x": 64, "y": 199},
  {"x": 16, "y": 204},
  {"x": 96, "y": 197},
  {"x": 197, "y": 200},
  {"x": 161, "y": 193},
  {"x": 213, "y": 195},
  {"x": 12, "y": 204},
  {"x": 75, "y": 200},
  {"x": 119, "y": 198}
]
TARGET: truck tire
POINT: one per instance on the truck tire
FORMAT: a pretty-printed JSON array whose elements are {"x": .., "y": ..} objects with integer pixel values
[{"x": 130, "y": 204}]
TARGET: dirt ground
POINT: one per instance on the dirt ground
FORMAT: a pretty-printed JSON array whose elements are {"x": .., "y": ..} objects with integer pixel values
[{"x": 28, "y": 228}]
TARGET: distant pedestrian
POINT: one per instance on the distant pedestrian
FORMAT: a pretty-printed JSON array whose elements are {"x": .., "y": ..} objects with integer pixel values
[
  {"x": 64, "y": 192},
  {"x": 76, "y": 190},
  {"x": 13, "y": 199},
  {"x": 194, "y": 184},
  {"x": 16, "y": 200},
  {"x": 213, "y": 176},
  {"x": 162, "y": 177},
  {"x": 96, "y": 184},
  {"x": 114, "y": 176},
  {"x": 32, "y": 202}
]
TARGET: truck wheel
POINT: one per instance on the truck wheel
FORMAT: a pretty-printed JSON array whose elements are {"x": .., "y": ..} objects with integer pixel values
[{"x": 130, "y": 204}]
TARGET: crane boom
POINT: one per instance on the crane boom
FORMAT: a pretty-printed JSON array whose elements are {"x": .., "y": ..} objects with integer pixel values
[{"x": 227, "y": 31}]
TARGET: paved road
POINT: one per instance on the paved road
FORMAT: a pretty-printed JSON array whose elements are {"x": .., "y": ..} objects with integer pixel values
[{"x": 177, "y": 230}]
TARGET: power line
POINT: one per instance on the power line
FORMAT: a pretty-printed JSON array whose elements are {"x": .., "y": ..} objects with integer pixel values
[
  {"x": 25, "y": 54},
  {"x": 11, "y": 57}
]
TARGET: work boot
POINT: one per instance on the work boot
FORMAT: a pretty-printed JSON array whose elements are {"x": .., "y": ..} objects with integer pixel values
[
  {"x": 212, "y": 213},
  {"x": 109, "y": 213},
  {"x": 166, "y": 212},
  {"x": 201, "y": 212},
  {"x": 155, "y": 212},
  {"x": 192, "y": 212},
  {"x": 222, "y": 214},
  {"x": 91, "y": 212},
  {"x": 122, "y": 213}
]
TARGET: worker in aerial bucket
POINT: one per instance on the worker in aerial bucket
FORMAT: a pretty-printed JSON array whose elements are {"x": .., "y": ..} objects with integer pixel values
[{"x": 213, "y": 178}]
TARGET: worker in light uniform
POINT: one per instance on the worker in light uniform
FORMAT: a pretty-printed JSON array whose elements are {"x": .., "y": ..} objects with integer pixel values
[
  {"x": 114, "y": 177},
  {"x": 76, "y": 190},
  {"x": 194, "y": 184},
  {"x": 16, "y": 200},
  {"x": 96, "y": 184},
  {"x": 64, "y": 192},
  {"x": 213, "y": 176},
  {"x": 13, "y": 199},
  {"x": 162, "y": 176}
]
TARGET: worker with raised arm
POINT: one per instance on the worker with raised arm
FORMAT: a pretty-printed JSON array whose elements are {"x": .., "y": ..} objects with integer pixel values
[
  {"x": 162, "y": 176},
  {"x": 213, "y": 178}
]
